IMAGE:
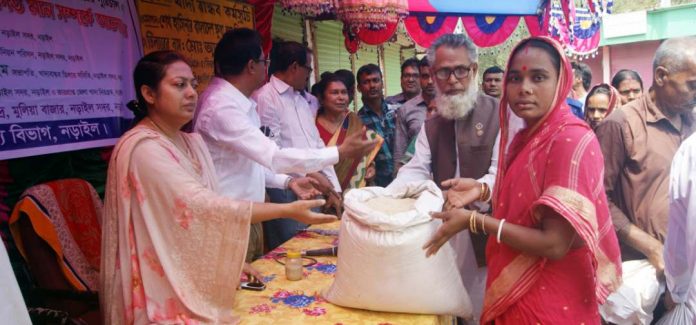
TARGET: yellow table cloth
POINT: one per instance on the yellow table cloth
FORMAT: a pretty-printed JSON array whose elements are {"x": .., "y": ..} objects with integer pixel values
[{"x": 300, "y": 302}]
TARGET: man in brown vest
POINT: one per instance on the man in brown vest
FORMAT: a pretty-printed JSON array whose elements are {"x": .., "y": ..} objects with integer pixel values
[{"x": 457, "y": 142}]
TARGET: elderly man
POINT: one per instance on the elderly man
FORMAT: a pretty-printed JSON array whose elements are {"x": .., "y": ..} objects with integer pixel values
[
  {"x": 639, "y": 141},
  {"x": 412, "y": 114},
  {"x": 457, "y": 142},
  {"x": 410, "y": 87}
]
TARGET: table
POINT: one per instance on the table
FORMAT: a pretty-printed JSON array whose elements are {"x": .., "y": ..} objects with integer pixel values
[{"x": 300, "y": 302}]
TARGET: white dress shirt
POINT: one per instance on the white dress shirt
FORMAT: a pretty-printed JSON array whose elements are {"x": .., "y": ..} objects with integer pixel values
[
  {"x": 290, "y": 119},
  {"x": 419, "y": 167},
  {"x": 680, "y": 244},
  {"x": 246, "y": 161}
]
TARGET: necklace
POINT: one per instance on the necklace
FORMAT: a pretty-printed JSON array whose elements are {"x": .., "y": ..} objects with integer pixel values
[{"x": 185, "y": 151}]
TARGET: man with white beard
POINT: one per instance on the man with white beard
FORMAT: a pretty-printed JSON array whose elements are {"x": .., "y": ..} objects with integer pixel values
[{"x": 458, "y": 143}]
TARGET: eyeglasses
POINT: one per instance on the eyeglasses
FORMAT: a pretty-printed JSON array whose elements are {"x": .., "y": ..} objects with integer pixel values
[
  {"x": 459, "y": 72},
  {"x": 265, "y": 61}
]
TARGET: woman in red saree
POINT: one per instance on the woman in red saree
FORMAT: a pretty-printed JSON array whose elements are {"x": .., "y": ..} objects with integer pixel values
[
  {"x": 335, "y": 122},
  {"x": 552, "y": 253}
]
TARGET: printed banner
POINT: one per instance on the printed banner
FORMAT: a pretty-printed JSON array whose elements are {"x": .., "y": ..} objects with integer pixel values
[
  {"x": 191, "y": 27},
  {"x": 65, "y": 74}
]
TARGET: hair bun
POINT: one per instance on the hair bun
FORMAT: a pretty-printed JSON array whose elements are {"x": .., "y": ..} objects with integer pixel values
[{"x": 138, "y": 110}]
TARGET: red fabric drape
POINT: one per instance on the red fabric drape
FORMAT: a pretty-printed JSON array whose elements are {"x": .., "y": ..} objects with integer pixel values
[{"x": 263, "y": 16}]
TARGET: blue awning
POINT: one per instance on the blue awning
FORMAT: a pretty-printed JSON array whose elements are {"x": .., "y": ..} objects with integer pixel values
[{"x": 468, "y": 7}]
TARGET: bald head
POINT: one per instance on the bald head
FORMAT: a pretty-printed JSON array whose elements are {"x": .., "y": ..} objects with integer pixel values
[
  {"x": 674, "y": 76},
  {"x": 675, "y": 54}
]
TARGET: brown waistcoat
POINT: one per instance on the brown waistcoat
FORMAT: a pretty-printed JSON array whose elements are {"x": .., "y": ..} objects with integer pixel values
[{"x": 475, "y": 137}]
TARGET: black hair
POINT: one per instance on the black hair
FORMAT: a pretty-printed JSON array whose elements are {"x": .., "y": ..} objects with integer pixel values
[
  {"x": 625, "y": 74},
  {"x": 411, "y": 62},
  {"x": 368, "y": 69},
  {"x": 583, "y": 71},
  {"x": 234, "y": 50},
  {"x": 493, "y": 69},
  {"x": 285, "y": 53},
  {"x": 424, "y": 62},
  {"x": 544, "y": 46},
  {"x": 320, "y": 87},
  {"x": 150, "y": 71},
  {"x": 600, "y": 89}
]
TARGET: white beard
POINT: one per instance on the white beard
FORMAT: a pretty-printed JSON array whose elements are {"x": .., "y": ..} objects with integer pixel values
[{"x": 454, "y": 107}]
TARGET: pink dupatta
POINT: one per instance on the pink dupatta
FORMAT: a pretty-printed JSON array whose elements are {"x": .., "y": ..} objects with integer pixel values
[
  {"x": 558, "y": 164},
  {"x": 172, "y": 249}
]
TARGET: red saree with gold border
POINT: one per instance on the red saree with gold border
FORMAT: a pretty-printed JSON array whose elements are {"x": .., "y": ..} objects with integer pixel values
[{"x": 558, "y": 164}]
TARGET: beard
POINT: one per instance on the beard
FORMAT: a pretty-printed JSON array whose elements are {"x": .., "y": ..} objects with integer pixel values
[{"x": 454, "y": 107}]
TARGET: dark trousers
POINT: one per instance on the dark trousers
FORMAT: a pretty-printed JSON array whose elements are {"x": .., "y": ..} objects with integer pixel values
[{"x": 278, "y": 231}]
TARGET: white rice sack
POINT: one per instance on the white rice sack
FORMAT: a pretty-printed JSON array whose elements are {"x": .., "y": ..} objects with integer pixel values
[{"x": 381, "y": 263}]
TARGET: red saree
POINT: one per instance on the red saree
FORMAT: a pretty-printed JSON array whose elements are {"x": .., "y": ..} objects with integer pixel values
[{"x": 556, "y": 163}]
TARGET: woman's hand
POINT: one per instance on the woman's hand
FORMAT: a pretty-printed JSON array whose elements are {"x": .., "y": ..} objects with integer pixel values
[
  {"x": 453, "y": 221},
  {"x": 461, "y": 192},
  {"x": 252, "y": 273},
  {"x": 301, "y": 211}
]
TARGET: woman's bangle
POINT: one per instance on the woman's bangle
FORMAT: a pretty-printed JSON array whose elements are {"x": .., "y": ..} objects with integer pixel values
[
  {"x": 500, "y": 230},
  {"x": 483, "y": 224},
  {"x": 472, "y": 222},
  {"x": 482, "y": 195}
]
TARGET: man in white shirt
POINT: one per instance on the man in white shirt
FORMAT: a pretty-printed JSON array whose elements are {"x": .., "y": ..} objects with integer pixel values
[
  {"x": 285, "y": 112},
  {"x": 245, "y": 159},
  {"x": 680, "y": 244}
]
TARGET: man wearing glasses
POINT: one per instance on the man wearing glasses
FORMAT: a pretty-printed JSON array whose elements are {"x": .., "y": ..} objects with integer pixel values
[
  {"x": 246, "y": 160},
  {"x": 286, "y": 113},
  {"x": 458, "y": 143},
  {"x": 410, "y": 85}
]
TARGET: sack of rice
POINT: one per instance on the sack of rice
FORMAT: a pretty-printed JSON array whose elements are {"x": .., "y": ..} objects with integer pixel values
[{"x": 381, "y": 264}]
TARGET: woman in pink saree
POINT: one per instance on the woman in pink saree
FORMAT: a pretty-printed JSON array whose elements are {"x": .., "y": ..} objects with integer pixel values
[
  {"x": 172, "y": 248},
  {"x": 552, "y": 253}
]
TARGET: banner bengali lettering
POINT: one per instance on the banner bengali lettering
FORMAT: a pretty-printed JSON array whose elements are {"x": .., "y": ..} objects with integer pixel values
[
  {"x": 65, "y": 70},
  {"x": 192, "y": 27}
]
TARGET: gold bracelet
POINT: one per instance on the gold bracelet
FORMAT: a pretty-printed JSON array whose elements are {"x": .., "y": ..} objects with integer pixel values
[
  {"x": 485, "y": 193},
  {"x": 483, "y": 228},
  {"x": 472, "y": 222}
]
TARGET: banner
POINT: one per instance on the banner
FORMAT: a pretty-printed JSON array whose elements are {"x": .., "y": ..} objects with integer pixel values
[
  {"x": 65, "y": 74},
  {"x": 191, "y": 27}
]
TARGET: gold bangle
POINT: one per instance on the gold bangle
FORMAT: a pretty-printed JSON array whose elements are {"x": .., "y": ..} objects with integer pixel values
[
  {"x": 472, "y": 222},
  {"x": 483, "y": 191},
  {"x": 483, "y": 228}
]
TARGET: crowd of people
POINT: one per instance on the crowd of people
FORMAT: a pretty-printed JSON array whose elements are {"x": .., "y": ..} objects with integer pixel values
[{"x": 550, "y": 182}]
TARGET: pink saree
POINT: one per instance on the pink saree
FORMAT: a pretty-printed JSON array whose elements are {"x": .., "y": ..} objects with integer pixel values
[
  {"x": 172, "y": 248},
  {"x": 558, "y": 164}
]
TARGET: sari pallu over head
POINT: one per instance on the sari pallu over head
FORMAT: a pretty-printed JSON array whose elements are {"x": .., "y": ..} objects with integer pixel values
[{"x": 556, "y": 163}]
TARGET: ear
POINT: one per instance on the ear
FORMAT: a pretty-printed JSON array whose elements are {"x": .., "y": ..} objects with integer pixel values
[
  {"x": 251, "y": 67},
  {"x": 661, "y": 76},
  {"x": 148, "y": 93}
]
